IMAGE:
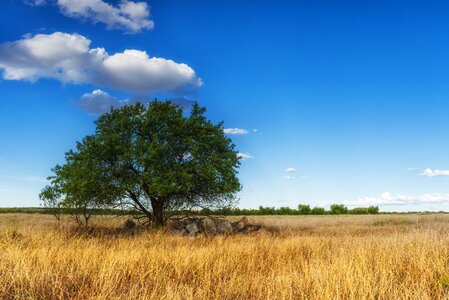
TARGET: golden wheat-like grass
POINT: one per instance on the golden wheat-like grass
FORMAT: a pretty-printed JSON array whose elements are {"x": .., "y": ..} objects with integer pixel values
[{"x": 329, "y": 257}]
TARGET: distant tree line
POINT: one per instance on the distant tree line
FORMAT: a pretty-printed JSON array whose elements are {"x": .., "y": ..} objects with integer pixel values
[{"x": 302, "y": 209}]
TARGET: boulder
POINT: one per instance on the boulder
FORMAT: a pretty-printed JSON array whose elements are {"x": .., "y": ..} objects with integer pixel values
[
  {"x": 175, "y": 224},
  {"x": 250, "y": 228},
  {"x": 240, "y": 225},
  {"x": 223, "y": 227},
  {"x": 209, "y": 226},
  {"x": 192, "y": 229},
  {"x": 129, "y": 224}
]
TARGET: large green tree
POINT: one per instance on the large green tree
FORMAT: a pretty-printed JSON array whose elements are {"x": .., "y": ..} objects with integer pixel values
[{"x": 153, "y": 158}]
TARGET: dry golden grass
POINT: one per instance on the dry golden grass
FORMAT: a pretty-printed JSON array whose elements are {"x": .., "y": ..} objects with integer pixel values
[{"x": 329, "y": 257}]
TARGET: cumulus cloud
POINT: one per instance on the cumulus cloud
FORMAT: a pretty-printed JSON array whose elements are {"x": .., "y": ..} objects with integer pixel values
[
  {"x": 129, "y": 16},
  {"x": 99, "y": 102},
  {"x": 235, "y": 131},
  {"x": 244, "y": 156},
  {"x": 290, "y": 170},
  {"x": 391, "y": 199},
  {"x": 434, "y": 173},
  {"x": 69, "y": 59}
]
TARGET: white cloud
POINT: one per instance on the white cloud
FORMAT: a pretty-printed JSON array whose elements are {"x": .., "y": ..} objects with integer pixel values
[
  {"x": 35, "y": 2},
  {"x": 235, "y": 131},
  {"x": 128, "y": 16},
  {"x": 244, "y": 156},
  {"x": 99, "y": 102},
  {"x": 288, "y": 177},
  {"x": 69, "y": 59},
  {"x": 290, "y": 170},
  {"x": 390, "y": 199},
  {"x": 434, "y": 173}
]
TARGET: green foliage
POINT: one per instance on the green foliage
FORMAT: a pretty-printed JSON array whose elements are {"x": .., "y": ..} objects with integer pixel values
[
  {"x": 319, "y": 211},
  {"x": 373, "y": 210},
  {"x": 338, "y": 209},
  {"x": 304, "y": 209},
  {"x": 148, "y": 158},
  {"x": 358, "y": 211}
]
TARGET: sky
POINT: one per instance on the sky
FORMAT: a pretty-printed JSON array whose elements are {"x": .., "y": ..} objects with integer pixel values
[{"x": 327, "y": 101}]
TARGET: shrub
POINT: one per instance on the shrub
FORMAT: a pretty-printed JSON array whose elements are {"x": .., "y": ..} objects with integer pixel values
[{"x": 338, "y": 209}]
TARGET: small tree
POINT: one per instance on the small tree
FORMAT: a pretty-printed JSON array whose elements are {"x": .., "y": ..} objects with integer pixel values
[
  {"x": 153, "y": 159},
  {"x": 373, "y": 210},
  {"x": 338, "y": 209},
  {"x": 304, "y": 209}
]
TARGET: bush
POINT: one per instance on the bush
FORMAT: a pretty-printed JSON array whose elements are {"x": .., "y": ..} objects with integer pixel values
[
  {"x": 373, "y": 210},
  {"x": 338, "y": 209},
  {"x": 358, "y": 211},
  {"x": 304, "y": 209},
  {"x": 318, "y": 211}
]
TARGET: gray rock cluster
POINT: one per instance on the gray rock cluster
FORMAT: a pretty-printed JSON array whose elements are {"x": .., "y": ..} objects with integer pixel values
[{"x": 210, "y": 226}]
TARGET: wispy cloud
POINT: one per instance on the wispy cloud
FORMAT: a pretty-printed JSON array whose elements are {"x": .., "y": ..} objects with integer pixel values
[
  {"x": 413, "y": 169},
  {"x": 30, "y": 178},
  {"x": 400, "y": 199},
  {"x": 434, "y": 173},
  {"x": 289, "y": 177},
  {"x": 37, "y": 179},
  {"x": 235, "y": 131},
  {"x": 290, "y": 170},
  {"x": 244, "y": 156},
  {"x": 128, "y": 16}
]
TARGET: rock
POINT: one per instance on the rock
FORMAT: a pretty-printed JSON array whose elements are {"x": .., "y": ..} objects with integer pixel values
[
  {"x": 209, "y": 226},
  {"x": 240, "y": 225},
  {"x": 223, "y": 227},
  {"x": 250, "y": 228},
  {"x": 192, "y": 229},
  {"x": 129, "y": 224},
  {"x": 174, "y": 224}
]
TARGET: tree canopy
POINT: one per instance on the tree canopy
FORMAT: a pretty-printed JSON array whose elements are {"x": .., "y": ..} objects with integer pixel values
[{"x": 152, "y": 158}]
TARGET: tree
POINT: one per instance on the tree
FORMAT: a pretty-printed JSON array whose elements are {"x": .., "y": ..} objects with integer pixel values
[
  {"x": 304, "y": 209},
  {"x": 153, "y": 159},
  {"x": 338, "y": 209},
  {"x": 373, "y": 210},
  {"x": 318, "y": 211},
  {"x": 77, "y": 187}
]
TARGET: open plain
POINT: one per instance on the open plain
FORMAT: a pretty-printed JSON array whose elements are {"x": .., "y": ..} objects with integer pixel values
[{"x": 297, "y": 257}]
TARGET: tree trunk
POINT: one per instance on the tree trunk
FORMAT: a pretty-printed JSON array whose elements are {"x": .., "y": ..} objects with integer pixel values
[
  {"x": 158, "y": 212},
  {"x": 140, "y": 205}
]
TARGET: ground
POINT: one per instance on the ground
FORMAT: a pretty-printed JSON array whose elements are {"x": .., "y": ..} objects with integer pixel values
[{"x": 297, "y": 257}]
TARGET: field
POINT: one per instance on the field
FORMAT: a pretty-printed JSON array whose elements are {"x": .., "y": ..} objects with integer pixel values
[{"x": 316, "y": 257}]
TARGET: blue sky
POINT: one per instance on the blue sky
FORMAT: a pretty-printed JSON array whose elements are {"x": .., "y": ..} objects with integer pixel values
[{"x": 351, "y": 96}]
